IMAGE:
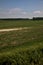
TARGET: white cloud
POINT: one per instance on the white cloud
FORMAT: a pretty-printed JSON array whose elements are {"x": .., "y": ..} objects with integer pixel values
[
  {"x": 13, "y": 13},
  {"x": 14, "y": 10},
  {"x": 24, "y": 13},
  {"x": 18, "y": 13},
  {"x": 37, "y": 12}
]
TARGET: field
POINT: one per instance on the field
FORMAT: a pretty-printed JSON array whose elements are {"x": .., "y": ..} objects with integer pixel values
[
  {"x": 21, "y": 47},
  {"x": 19, "y": 23}
]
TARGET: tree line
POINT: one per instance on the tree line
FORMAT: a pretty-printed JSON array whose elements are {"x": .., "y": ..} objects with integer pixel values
[{"x": 34, "y": 18}]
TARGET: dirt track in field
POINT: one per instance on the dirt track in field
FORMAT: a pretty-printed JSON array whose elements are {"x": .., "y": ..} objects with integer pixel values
[{"x": 14, "y": 29}]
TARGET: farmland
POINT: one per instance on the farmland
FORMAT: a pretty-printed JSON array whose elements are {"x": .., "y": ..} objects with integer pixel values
[
  {"x": 21, "y": 47},
  {"x": 19, "y": 23}
]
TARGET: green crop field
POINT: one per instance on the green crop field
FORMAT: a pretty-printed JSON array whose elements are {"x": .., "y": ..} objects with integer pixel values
[
  {"x": 20, "y": 23},
  {"x": 21, "y": 47}
]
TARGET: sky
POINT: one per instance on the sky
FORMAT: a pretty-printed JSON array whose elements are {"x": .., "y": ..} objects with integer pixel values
[{"x": 21, "y": 8}]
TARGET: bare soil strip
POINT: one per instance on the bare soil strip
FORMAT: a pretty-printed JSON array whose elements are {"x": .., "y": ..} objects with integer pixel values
[{"x": 14, "y": 29}]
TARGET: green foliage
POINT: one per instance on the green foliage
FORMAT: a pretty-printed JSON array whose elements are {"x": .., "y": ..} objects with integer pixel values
[{"x": 27, "y": 57}]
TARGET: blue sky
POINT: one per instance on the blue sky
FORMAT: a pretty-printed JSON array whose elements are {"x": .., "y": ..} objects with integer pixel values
[{"x": 21, "y": 8}]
